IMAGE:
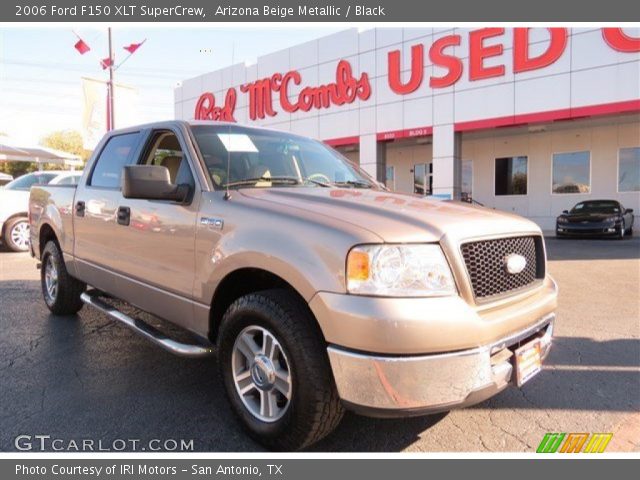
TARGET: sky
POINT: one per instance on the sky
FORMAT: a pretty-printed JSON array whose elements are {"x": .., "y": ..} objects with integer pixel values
[{"x": 40, "y": 70}]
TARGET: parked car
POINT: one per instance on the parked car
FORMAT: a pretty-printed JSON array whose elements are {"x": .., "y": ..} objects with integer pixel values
[
  {"x": 596, "y": 217},
  {"x": 14, "y": 204},
  {"x": 5, "y": 178},
  {"x": 319, "y": 290}
]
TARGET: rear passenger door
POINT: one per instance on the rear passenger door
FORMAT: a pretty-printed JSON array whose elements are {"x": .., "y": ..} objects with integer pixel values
[
  {"x": 96, "y": 202},
  {"x": 156, "y": 245}
]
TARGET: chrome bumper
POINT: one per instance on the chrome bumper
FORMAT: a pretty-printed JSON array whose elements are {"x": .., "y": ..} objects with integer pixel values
[{"x": 388, "y": 386}]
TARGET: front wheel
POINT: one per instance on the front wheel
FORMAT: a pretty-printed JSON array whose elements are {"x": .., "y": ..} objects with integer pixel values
[
  {"x": 622, "y": 231},
  {"x": 16, "y": 234},
  {"x": 60, "y": 290},
  {"x": 274, "y": 364}
]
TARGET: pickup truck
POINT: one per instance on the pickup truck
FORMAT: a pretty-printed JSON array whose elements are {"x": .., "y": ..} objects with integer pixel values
[{"x": 317, "y": 289}]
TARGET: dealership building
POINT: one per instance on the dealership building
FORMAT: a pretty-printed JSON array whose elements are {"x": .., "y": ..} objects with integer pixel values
[{"x": 529, "y": 120}]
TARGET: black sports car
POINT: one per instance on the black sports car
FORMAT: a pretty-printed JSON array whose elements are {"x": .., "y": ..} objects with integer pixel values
[{"x": 596, "y": 217}]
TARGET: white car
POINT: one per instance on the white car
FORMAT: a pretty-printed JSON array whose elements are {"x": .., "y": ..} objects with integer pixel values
[
  {"x": 4, "y": 178},
  {"x": 14, "y": 204}
]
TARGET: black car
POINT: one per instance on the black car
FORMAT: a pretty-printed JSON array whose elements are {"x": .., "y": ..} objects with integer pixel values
[{"x": 596, "y": 217}]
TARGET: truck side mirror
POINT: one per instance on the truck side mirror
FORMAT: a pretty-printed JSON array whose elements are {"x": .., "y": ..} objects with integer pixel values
[{"x": 151, "y": 182}]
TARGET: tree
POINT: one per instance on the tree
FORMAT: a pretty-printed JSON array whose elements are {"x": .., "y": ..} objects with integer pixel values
[{"x": 69, "y": 141}]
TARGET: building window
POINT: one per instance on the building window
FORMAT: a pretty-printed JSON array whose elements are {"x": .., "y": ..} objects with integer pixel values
[
  {"x": 629, "y": 170},
  {"x": 467, "y": 181},
  {"x": 391, "y": 177},
  {"x": 511, "y": 176},
  {"x": 571, "y": 173},
  {"x": 423, "y": 178}
]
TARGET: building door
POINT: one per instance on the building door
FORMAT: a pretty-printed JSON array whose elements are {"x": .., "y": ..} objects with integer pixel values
[{"x": 423, "y": 178}]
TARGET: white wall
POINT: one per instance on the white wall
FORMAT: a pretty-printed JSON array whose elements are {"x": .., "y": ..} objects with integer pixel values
[{"x": 540, "y": 204}]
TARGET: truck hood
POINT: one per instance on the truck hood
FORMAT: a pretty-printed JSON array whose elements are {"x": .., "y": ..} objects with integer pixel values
[{"x": 397, "y": 217}]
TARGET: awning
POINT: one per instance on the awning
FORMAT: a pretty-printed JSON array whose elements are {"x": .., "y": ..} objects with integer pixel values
[{"x": 11, "y": 151}]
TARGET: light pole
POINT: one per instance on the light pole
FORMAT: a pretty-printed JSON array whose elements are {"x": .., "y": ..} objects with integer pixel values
[{"x": 110, "y": 87}]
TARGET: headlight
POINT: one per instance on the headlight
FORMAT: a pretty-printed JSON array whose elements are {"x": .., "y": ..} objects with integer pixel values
[
  {"x": 562, "y": 220},
  {"x": 399, "y": 271}
]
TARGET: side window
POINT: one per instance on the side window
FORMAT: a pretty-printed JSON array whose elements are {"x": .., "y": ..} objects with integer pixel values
[
  {"x": 165, "y": 150},
  {"x": 114, "y": 156}
]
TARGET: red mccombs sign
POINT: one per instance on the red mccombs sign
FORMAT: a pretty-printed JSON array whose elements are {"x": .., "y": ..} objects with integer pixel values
[{"x": 483, "y": 44}]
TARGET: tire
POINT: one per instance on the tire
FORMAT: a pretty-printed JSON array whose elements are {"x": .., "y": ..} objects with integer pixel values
[
  {"x": 622, "y": 231},
  {"x": 313, "y": 408},
  {"x": 61, "y": 292},
  {"x": 16, "y": 234}
]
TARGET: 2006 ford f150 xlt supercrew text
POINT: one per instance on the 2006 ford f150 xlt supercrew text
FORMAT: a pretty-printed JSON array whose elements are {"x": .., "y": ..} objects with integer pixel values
[{"x": 317, "y": 289}]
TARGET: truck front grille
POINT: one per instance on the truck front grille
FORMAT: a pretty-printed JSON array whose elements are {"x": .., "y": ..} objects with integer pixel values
[{"x": 486, "y": 265}]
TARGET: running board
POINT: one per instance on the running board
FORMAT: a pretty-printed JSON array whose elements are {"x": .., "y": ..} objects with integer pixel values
[{"x": 92, "y": 298}]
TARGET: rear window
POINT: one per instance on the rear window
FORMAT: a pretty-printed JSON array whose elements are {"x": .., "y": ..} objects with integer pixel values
[{"x": 115, "y": 155}]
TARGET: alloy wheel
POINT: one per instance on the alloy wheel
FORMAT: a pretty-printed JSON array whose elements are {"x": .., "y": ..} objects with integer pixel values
[{"x": 261, "y": 373}]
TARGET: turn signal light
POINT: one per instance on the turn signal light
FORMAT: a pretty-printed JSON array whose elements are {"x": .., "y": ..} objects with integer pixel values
[{"x": 358, "y": 266}]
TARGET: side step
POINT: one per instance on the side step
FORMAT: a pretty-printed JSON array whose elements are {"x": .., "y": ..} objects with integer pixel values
[{"x": 92, "y": 298}]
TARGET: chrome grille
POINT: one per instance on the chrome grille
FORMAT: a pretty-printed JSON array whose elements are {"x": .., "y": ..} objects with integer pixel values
[{"x": 486, "y": 265}]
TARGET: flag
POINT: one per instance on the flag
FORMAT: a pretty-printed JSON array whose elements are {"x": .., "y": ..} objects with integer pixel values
[
  {"x": 133, "y": 47},
  {"x": 81, "y": 46},
  {"x": 106, "y": 63}
]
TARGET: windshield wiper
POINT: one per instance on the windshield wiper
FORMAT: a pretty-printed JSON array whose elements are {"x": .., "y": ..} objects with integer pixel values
[
  {"x": 250, "y": 181},
  {"x": 353, "y": 184},
  {"x": 318, "y": 182}
]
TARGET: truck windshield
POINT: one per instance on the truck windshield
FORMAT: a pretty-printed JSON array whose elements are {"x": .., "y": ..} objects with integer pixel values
[
  {"x": 597, "y": 206},
  {"x": 262, "y": 159}
]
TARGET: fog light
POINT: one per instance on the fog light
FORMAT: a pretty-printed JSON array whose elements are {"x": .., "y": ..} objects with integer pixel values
[{"x": 611, "y": 230}]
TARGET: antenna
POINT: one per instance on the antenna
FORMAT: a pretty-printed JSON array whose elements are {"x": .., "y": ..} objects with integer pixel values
[{"x": 227, "y": 193}]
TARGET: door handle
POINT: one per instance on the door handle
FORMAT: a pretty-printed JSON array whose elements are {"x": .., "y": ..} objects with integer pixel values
[
  {"x": 124, "y": 216},
  {"x": 80, "y": 206}
]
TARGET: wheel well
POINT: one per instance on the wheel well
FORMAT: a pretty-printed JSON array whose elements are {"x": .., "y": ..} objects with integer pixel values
[
  {"x": 46, "y": 234},
  {"x": 6, "y": 222},
  {"x": 235, "y": 285}
]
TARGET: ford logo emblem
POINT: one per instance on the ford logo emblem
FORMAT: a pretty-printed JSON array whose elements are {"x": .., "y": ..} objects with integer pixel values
[{"x": 515, "y": 263}]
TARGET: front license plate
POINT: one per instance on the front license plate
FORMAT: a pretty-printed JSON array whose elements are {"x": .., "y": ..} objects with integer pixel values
[{"x": 528, "y": 362}]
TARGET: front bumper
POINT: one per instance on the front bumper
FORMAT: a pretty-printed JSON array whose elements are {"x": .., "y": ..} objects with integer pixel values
[
  {"x": 602, "y": 228},
  {"x": 391, "y": 386}
]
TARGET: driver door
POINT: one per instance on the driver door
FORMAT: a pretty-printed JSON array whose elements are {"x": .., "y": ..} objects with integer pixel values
[{"x": 156, "y": 245}]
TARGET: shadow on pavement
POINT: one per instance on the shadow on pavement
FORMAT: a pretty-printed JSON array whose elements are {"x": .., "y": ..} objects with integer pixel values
[{"x": 592, "y": 248}]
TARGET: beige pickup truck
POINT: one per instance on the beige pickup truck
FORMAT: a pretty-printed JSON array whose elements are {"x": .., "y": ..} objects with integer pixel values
[{"x": 317, "y": 289}]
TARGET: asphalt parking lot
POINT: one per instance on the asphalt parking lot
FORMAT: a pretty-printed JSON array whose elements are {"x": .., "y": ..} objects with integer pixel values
[{"x": 88, "y": 377}]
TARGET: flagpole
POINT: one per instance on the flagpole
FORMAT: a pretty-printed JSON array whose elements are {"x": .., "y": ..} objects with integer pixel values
[{"x": 111, "y": 125}]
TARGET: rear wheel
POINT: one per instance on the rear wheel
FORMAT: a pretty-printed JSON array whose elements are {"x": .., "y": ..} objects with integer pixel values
[
  {"x": 60, "y": 290},
  {"x": 273, "y": 361},
  {"x": 16, "y": 234}
]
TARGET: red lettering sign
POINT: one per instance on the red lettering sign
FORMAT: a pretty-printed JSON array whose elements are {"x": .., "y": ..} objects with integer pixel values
[
  {"x": 206, "y": 107},
  {"x": 478, "y": 51},
  {"x": 522, "y": 62},
  {"x": 620, "y": 41},
  {"x": 346, "y": 89},
  {"x": 417, "y": 70},
  {"x": 451, "y": 63}
]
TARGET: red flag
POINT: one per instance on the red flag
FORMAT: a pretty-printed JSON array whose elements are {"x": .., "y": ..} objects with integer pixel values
[
  {"x": 81, "y": 46},
  {"x": 106, "y": 63},
  {"x": 133, "y": 47}
]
